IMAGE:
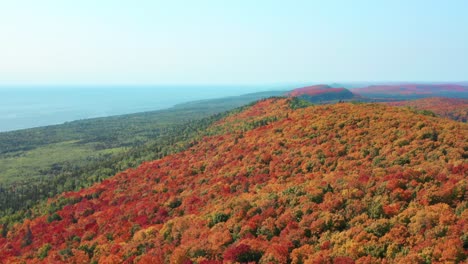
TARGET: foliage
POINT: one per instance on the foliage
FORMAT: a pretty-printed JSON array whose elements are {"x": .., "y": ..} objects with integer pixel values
[
  {"x": 453, "y": 108},
  {"x": 322, "y": 94},
  {"x": 414, "y": 91},
  {"x": 297, "y": 103},
  {"x": 303, "y": 187},
  {"x": 39, "y": 163}
]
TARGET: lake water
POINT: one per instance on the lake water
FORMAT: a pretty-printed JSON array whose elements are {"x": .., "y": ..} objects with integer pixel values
[{"x": 26, "y": 107}]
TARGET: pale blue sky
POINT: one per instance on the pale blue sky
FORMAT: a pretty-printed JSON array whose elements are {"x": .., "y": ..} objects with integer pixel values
[{"x": 231, "y": 42}]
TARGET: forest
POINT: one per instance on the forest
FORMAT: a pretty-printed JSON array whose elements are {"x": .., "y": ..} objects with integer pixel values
[
  {"x": 453, "y": 108},
  {"x": 39, "y": 163},
  {"x": 279, "y": 181},
  {"x": 351, "y": 148}
]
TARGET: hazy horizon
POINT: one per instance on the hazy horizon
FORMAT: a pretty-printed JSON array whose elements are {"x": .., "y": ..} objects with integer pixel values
[
  {"x": 242, "y": 87},
  {"x": 216, "y": 48}
]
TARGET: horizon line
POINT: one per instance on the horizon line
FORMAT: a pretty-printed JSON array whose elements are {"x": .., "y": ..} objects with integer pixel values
[{"x": 219, "y": 84}]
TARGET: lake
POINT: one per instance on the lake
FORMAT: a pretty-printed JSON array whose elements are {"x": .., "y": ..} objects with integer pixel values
[{"x": 27, "y": 107}]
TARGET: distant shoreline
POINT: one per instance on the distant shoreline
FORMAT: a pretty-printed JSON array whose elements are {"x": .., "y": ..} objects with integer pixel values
[{"x": 32, "y": 107}]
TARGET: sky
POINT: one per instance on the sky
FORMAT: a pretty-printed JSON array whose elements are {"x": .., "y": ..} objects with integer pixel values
[{"x": 152, "y": 42}]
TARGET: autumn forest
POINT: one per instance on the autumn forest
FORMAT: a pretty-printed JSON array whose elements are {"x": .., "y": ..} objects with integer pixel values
[{"x": 278, "y": 181}]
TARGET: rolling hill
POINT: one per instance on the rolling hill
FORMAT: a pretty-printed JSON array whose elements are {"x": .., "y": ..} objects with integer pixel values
[
  {"x": 453, "y": 108},
  {"x": 42, "y": 162},
  {"x": 322, "y": 94},
  {"x": 412, "y": 91},
  {"x": 343, "y": 183}
]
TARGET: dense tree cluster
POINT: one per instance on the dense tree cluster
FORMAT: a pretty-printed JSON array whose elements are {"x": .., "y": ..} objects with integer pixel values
[
  {"x": 414, "y": 91},
  {"x": 453, "y": 108},
  {"x": 344, "y": 183},
  {"x": 322, "y": 94},
  {"x": 18, "y": 197},
  {"x": 128, "y": 139}
]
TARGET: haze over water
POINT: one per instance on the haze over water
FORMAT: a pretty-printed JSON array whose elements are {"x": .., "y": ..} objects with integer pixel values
[{"x": 28, "y": 107}]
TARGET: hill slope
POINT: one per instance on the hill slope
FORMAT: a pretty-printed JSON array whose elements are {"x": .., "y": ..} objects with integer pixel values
[
  {"x": 453, "y": 108},
  {"x": 41, "y": 162},
  {"x": 338, "y": 183},
  {"x": 408, "y": 91},
  {"x": 322, "y": 93}
]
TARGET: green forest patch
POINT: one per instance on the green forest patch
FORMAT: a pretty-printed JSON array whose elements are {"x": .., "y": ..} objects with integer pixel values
[{"x": 25, "y": 165}]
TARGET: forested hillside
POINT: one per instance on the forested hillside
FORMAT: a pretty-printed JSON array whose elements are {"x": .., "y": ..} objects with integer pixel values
[
  {"x": 42, "y": 162},
  {"x": 453, "y": 108},
  {"x": 275, "y": 183},
  {"x": 323, "y": 94},
  {"x": 412, "y": 91}
]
